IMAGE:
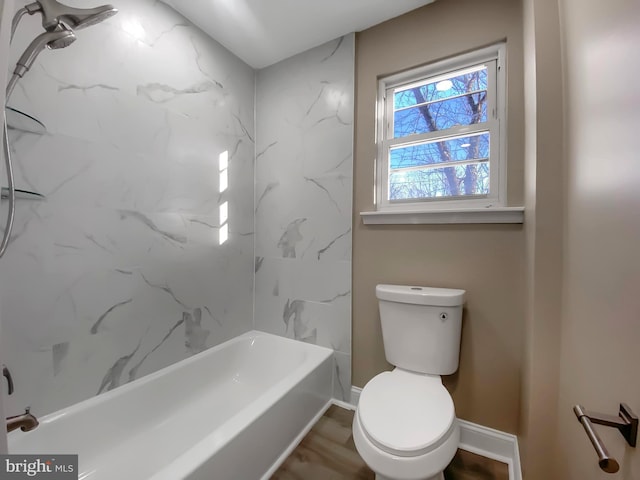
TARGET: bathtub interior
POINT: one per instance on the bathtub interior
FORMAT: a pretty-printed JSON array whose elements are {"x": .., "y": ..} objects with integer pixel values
[{"x": 162, "y": 417}]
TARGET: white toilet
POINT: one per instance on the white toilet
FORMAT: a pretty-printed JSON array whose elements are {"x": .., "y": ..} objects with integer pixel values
[{"x": 405, "y": 426}]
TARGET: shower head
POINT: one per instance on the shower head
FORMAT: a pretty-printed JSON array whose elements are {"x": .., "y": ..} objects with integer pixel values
[
  {"x": 59, "y": 21},
  {"x": 54, "y": 13},
  {"x": 59, "y": 38}
]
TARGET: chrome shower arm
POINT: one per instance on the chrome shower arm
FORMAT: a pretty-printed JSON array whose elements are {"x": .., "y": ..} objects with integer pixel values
[
  {"x": 16, "y": 20},
  {"x": 54, "y": 13},
  {"x": 30, "y": 9}
]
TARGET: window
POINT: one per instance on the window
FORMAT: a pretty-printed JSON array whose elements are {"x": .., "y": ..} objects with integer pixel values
[{"x": 441, "y": 134}]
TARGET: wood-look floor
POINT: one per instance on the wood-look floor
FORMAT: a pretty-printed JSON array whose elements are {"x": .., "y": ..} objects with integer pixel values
[{"x": 327, "y": 452}]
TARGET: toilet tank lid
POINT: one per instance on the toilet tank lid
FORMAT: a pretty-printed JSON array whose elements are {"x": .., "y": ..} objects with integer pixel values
[{"x": 437, "y": 297}]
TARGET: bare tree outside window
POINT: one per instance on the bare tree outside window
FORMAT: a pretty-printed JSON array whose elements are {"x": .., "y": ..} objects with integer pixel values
[{"x": 450, "y": 165}]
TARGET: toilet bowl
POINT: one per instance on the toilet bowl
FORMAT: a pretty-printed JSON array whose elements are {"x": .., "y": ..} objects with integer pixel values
[{"x": 405, "y": 427}]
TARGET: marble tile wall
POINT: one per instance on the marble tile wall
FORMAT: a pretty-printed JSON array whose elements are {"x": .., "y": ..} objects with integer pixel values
[
  {"x": 304, "y": 134},
  {"x": 119, "y": 272}
]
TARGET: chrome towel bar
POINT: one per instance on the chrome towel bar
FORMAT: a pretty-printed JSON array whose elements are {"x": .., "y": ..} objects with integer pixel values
[{"x": 626, "y": 422}]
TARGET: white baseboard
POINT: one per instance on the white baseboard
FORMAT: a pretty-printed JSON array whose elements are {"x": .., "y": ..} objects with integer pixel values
[
  {"x": 355, "y": 395},
  {"x": 492, "y": 443},
  {"x": 478, "y": 439},
  {"x": 345, "y": 405}
]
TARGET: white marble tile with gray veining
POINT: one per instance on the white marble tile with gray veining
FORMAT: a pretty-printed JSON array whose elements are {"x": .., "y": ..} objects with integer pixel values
[
  {"x": 119, "y": 272},
  {"x": 342, "y": 377},
  {"x": 304, "y": 130}
]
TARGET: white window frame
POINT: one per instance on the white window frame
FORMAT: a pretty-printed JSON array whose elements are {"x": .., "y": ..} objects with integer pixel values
[{"x": 496, "y": 123}]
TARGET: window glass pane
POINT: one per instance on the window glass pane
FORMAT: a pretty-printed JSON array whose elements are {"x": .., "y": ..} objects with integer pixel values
[
  {"x": 459, "y": 180},
  {"x": 456, "y": 149},
  {"x": 464, "y": 110},
  {"x": 457, "y": 83}
]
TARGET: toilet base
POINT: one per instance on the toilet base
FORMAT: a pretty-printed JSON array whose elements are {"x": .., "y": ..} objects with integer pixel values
[{"x": 439, "y": 476}]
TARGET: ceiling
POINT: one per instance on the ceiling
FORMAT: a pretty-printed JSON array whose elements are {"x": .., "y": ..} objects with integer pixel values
[{"x": 263, "y": 32}]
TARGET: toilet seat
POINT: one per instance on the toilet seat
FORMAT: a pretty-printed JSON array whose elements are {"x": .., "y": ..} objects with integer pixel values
[{"x": 406, "y": 414}]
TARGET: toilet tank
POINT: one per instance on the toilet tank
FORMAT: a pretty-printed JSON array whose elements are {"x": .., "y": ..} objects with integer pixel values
[{"x": 421, "y": 327}]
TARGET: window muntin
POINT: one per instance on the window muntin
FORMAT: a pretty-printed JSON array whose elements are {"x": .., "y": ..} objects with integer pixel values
[{"x": 441, "y": 135}]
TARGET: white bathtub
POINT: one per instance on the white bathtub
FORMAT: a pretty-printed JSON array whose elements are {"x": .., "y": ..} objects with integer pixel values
[{"x": 226, "y": 413}]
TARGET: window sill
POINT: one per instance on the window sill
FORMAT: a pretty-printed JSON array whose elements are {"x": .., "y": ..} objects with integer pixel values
[{"x": 449, "y": 216}]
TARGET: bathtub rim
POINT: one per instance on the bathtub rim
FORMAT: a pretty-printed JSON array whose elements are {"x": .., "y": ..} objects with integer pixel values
[{"x": 140, "y": 382}]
